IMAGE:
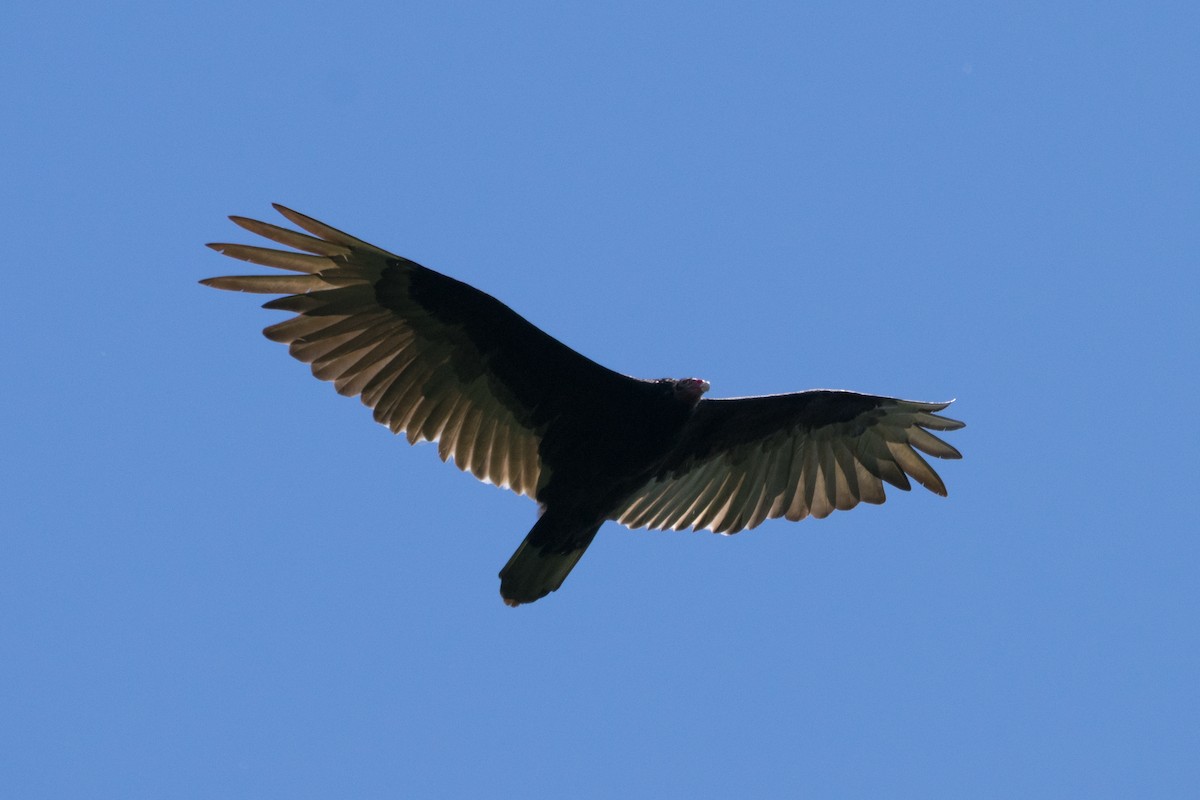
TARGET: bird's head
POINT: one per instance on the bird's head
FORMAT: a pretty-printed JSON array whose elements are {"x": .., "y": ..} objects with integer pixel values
[{"x": 688, "y": 390}]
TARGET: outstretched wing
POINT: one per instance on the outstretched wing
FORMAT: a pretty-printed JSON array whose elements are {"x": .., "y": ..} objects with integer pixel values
[
  {"x": 434, "y": 357},
  {"x": 748, "y": 459}
]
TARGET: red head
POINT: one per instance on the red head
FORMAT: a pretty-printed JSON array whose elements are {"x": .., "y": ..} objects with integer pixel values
[{"x": 689, "y": 390}]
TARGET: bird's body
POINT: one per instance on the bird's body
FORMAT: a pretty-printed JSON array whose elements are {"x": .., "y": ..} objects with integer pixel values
[{"x": 442, "y": 361}]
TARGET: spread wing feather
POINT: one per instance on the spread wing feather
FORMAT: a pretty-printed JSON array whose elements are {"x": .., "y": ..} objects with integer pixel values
[
  {"x": 742, "y": 461},
  {"x": 434, "y": 358}
]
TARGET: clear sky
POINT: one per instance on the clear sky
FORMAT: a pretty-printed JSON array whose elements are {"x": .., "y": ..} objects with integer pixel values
[{"x": 218, "y": 578}]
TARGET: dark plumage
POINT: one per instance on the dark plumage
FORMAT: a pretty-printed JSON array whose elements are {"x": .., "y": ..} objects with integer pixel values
[{"x": 442, "y": 361}]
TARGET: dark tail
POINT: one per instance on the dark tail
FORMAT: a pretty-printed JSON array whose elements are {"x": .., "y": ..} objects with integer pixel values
[{"x": 544, "y": 559}]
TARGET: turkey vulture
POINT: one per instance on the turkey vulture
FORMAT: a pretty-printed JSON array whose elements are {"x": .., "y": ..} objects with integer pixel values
[{"x": 444, "y": 362}]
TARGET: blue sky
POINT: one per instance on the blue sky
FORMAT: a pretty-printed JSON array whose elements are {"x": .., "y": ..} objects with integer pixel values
[{"x": 220, "y": 579}]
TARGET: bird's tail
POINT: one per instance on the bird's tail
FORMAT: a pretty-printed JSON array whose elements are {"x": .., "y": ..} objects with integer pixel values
[{"x": 543, "y": 561}]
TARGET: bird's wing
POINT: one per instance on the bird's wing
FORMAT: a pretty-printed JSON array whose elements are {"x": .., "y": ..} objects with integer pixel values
[
  {"x": 741, "y": 461},
  {"x": 435, "y": 358}
]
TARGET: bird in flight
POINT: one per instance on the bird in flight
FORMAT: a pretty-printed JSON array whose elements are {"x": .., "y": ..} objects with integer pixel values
[{"x": 443, "y": 362}]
